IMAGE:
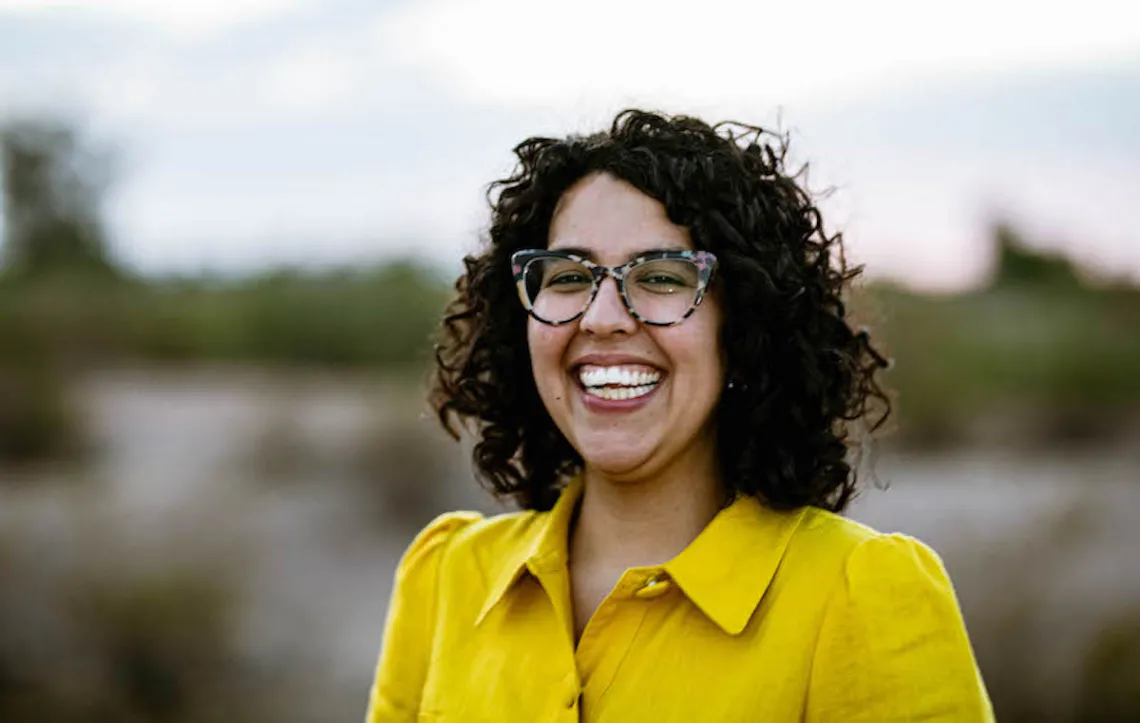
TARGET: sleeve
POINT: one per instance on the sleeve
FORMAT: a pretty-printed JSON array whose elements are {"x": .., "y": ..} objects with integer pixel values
[
  {"x": 408, "y": 630},
  {"x": 893, "y": 645}
]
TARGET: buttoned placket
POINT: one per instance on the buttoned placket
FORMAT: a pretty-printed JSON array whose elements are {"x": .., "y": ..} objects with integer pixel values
[
  {"x": 614, "y": 626},
  {"x": 572, "y": 696},
  {"x": 552, "y": 574}
]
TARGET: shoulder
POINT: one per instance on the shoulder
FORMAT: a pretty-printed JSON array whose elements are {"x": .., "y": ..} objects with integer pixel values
[
  {"x": 890, "y": 583},
  {"x": 840, "y": 534},
  {"x": 436, "y": 535},
  {"x": 464, "y": 533},
  {"x": 862, "y": 558},
  {"x": 857, "y": 543},
  {"x": 890, "y": 622}
]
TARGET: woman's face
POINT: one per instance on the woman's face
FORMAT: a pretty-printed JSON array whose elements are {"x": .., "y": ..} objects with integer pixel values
[{"x": 673, "y": 375}]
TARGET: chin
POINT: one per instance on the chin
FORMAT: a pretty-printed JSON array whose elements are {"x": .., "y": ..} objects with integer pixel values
[{"x": 616, "y": 462}]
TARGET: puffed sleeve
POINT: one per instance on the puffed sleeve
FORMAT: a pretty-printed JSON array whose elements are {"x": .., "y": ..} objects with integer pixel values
[
  {"x": 893, "y": 646},
  {"x": 402, "y": 668}
]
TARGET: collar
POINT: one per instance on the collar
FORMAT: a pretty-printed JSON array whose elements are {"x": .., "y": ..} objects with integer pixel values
[
  {"x": 725, "y": 571},
  {"x": 539, "y": 547}
]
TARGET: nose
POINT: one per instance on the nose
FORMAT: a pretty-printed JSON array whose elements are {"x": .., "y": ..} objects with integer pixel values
[{"x": 607, "y": 313}]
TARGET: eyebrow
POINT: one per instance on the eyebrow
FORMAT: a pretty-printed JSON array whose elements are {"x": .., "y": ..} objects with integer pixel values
[{"x": 587, "y": 253}]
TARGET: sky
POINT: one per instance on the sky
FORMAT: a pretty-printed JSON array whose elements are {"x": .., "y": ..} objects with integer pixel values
[{"x": 258, "y": 133}]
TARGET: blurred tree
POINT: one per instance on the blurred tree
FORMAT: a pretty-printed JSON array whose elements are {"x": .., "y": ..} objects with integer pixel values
[
  {"x": 52, "y": 187},
  {"x": 1019, "y": 265}
]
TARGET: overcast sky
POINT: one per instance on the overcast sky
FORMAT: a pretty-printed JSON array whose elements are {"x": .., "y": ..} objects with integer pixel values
[{"x": 273, "y": 132}]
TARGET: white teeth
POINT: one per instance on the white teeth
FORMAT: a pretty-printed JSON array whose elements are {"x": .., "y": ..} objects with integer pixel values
[
  {"x": 620, "y": 393},
  {"x": 632, "y": 377}
]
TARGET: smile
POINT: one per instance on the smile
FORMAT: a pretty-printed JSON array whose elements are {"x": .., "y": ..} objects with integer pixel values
[{"x": 618, "y": 383}]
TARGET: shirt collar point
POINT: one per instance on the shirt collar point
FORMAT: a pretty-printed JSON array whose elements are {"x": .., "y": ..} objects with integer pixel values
[
  {"x": 724, "y": 586},
  {"x": 540, "y": 547}
]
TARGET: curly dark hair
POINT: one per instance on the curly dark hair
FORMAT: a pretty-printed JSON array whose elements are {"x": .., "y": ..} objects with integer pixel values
[{"x": 801, "y": 375}]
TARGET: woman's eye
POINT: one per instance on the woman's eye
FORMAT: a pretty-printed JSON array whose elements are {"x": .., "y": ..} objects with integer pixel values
[
  {"x": 567, "y": 278},
  {"x": 662, "y": 280}
]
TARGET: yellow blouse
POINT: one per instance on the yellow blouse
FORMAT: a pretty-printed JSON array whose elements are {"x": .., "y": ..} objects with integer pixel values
[{"x": 765, "y": 616}]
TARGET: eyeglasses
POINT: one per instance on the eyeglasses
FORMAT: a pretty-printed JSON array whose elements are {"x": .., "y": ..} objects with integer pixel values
[{"x": 660, "y": 288}]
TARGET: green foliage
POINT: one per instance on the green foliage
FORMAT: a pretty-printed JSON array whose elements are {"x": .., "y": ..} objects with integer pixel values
[
  {"x": 53, "y": 326},
  {"x": 377, "y": 317},
  {"x": 1066, "y": 363},
  {"x": 1018, "y": 265},
  {"x": 1063, "y": 364},
  {"x": 52, "y": 194}
]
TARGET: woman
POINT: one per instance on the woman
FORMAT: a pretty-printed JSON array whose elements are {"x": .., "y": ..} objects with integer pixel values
[{"x": 656, "y": 359}]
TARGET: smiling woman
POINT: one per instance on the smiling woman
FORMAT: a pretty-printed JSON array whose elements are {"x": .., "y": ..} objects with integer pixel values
[{"x": 654, "y": 353}]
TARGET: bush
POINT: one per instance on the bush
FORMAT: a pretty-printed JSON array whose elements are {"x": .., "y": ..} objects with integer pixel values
[
  {"x": 1110, "y": 688},
  {"x": 37, "y": 422}
]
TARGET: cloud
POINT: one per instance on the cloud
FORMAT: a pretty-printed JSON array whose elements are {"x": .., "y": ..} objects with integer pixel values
[
  {"x": 124, "y": 76},
  {"x": 312, "y": 79},
  {"x": 185, "y": 17},
  {"x": 351, "y": 129},
  {"x": 736, "y": 54}
]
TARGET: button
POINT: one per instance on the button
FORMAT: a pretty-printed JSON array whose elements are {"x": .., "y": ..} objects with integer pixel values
[
  {"x": 654, "y": 587},
  {"x": 573, "y": 690}
]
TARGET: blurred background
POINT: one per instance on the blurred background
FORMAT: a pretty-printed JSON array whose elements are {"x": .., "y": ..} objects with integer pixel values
[{"x": 229, "y": 228}]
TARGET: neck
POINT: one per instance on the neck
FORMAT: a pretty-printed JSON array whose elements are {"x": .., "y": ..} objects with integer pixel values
[{"x": 627, "y": 523}]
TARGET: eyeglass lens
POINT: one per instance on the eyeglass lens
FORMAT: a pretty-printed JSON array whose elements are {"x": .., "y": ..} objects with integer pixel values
[{"x": 661, "y": 291}]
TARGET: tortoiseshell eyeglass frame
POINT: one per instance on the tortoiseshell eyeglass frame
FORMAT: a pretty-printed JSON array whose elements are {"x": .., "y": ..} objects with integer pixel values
[{"x": 705, "y": 261}]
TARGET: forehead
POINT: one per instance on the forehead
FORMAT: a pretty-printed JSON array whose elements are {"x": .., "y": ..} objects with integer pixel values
[{"x": 613, "y": 220}]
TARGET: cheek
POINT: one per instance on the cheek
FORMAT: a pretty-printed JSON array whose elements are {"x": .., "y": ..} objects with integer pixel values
[
  {"x": 697, "y": 348},
  {"x": 711, "y": 342},
  {"x": 547, "y": 346}
]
